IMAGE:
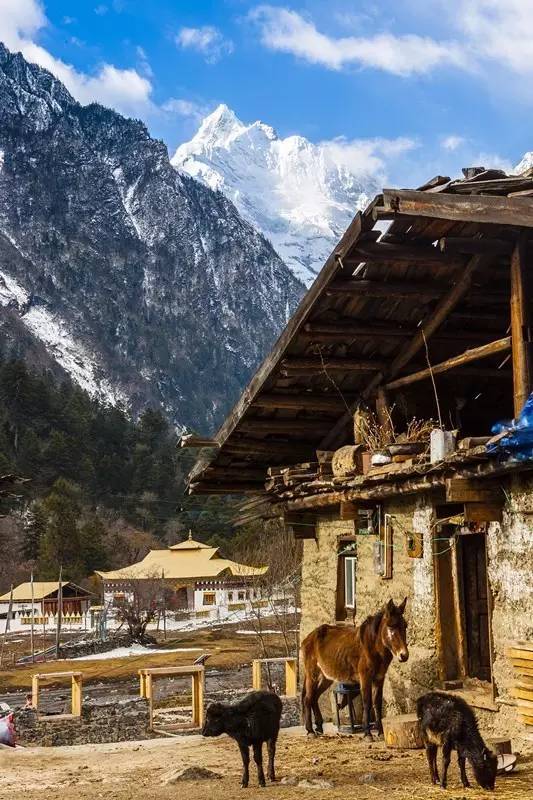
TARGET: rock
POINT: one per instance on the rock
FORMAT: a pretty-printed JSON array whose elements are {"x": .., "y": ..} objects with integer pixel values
[
  {"x": 289, "y": 780},
  {"x": 367, "y": 777},
  {"x": 314, "y": 783},
  {"x": 192, "y": 774}
]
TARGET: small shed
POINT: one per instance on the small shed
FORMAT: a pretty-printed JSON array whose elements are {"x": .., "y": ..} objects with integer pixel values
[
  {"x": 421, "y": 318},
  {"x": 76, "y": 599}
]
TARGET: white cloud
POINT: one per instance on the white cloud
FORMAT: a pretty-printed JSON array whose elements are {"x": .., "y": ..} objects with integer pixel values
[
  {"x": 452, "y": 142},
  {"x": 367, "y": 156},
  {"x": 498, "y": 30},
  {"x": 288, "y": 31},
  {"x": 208, "y": 41},
  {"x": 185, "y": 108},
  {"x": 123, "y": 89}
]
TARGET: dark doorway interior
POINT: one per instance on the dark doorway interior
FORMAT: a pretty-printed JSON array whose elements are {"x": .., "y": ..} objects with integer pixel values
[{"x": 476, "y": 605}]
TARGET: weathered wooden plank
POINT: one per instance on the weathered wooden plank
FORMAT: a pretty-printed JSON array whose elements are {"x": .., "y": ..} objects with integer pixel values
[
  {"x": 473, "y": 208},
  {"x": 483, "y": 512},
  {"x": 313, "y": 364},
  {"x": 474, "y": 354},
  {"x": 385, "y": 251},
  {"x": 460, "y": 490},
  {"x": 520, "y": 325},
  {"x": 293, "y": 427},
  {"x": 471, "y": 246},
  {"x": 303, "y": 400},
  {"x": 343, "y": 332}
]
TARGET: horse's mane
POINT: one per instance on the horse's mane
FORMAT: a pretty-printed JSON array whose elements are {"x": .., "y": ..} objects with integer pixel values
[{"x": 372, "y": 623}]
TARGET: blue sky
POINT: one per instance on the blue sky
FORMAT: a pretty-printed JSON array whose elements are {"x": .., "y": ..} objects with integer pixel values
[{"x": 432, "y": 85}]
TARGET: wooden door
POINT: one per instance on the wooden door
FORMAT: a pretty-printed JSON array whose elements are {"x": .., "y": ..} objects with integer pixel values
[{"x": 476, "y": 605}]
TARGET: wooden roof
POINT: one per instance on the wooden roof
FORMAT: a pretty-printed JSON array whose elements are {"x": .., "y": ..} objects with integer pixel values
[{"x": 433, "y": 286}]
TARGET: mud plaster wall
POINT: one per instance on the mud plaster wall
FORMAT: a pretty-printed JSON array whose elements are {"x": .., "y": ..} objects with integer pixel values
[
  {"x": 510, "y": 575},
  {"x": 411, "y": 578}
]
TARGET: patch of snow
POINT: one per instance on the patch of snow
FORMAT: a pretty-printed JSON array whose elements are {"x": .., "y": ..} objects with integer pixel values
[
  {"x": 253, "y": 633},
  {"x": 52, "y": 331},
  {"x": 293, "y": 191},
  {"x": 525, "y": 164},
  {"x": 2, "y": 154},
  {"x": 136, "y": 650},
  {"x": 12, "y": 292}
]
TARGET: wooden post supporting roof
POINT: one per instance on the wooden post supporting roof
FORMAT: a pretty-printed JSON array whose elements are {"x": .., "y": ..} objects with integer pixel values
[{"x": 520, "y": 325}]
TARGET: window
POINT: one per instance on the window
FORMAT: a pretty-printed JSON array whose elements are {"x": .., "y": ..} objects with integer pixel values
[
  {"x": 242, "y": 596},
  {"x": 209, "y": 599},
  {"x": 349, "y": 581},
  {"x": 230, "y": 597}
]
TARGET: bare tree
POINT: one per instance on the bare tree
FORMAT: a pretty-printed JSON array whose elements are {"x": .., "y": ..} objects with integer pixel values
[
  {"x": 275, "y": 595},
  {"x": 139, "y": 604}
]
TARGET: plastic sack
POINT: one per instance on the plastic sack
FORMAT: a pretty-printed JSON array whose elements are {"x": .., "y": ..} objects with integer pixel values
[{"x": 7, "y": 731}]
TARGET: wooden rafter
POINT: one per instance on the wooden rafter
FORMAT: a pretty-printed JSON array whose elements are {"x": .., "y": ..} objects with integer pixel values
[
  {"x": 474, "y": 354},
  {"x": 520, "y": 325},
  {"x": 311, "y": 365}
]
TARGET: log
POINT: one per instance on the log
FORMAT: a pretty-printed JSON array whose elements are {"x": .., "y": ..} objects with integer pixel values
[
  {"x": 191, "y": 440},
  {"x": 390, "y": 289},
  {"x": 403, "y": 732},
  {"x": 296, "y": 427},
  {"x": 520, "y": 326},
  {"x": 474, "y": 354},
  {"x": 477, "y": 208},
  {"x": 347, "y": 460}
]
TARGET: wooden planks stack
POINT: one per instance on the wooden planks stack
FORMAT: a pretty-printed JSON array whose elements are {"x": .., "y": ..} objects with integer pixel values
[{"x": 521, "y": 656}]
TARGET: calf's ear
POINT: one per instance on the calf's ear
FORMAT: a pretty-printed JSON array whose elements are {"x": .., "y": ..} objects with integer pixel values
[{"x": 401, "y": 607}]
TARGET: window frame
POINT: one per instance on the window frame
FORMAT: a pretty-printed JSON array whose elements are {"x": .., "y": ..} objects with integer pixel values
[{"x": 350, "y": 568}]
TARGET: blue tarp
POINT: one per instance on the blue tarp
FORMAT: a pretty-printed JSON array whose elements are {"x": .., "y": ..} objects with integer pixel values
[{"x": 517, "y": 444}]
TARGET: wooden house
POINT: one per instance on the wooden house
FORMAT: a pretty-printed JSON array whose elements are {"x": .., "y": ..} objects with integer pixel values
[
  {"x": 422, "y": 311},
  {"x": 75, "y": 599}
]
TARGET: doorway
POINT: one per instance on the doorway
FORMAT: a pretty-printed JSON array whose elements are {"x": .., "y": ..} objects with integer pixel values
[
  {"x": 476, "y": 605},
  {"x": 463, "y": 604}
]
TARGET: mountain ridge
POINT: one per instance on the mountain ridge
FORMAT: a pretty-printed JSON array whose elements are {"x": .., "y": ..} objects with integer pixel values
[
  {"x": 290, "y": 189},
  {"x": 143, "y": 280}
]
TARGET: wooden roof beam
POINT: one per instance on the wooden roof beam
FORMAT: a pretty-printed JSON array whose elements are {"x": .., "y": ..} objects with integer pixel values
[
  {"x": 326, "y": 332},
  {"x": 303, "y": 401},
  {"x": 516, "y": 211},
  {"x": 468, "y": 245},
  {"x": 475, "y": 354},
  {"x": 384, "y": 251},
  {"x": 311, "y": 365},
  {"x": 292, "y": 427},
  {"x": 398, "y": 290}
]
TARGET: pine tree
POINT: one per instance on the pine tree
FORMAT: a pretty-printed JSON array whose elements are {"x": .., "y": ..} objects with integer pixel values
[
  {"x": 92, "y": 542},
  {"x": 34, "y": 530},
  {"x": 60, "y": 542}
]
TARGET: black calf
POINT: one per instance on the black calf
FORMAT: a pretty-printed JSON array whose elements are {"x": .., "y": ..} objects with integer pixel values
[
  {"x": 447, "y": 721},
  {"x": 251, "y": 721}
]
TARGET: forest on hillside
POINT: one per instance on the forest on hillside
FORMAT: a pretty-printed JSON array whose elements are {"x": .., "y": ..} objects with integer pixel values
[{"x": 102, "y": 487}]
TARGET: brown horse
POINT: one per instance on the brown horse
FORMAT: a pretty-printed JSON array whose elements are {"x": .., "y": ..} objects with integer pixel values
[{"x": 353, "y": 655}]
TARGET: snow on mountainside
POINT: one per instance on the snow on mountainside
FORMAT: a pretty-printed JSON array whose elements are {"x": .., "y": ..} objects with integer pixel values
[
  {"x": 140, "y": 282},
  {"x": 295, "y": 192}
]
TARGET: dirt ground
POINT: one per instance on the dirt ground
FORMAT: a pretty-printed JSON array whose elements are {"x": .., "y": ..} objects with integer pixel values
[{"x": 337, "y": 767}]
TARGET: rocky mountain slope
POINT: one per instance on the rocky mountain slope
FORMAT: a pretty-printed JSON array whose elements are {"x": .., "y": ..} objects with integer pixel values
[
  {"x": 297, "y": 193},
  {"x": 140, "y": 282}
]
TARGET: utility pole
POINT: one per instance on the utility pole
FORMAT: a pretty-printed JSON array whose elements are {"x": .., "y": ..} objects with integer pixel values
[
  {"x": 59, "y": 609},
  {"x": 32, "y": 613}
]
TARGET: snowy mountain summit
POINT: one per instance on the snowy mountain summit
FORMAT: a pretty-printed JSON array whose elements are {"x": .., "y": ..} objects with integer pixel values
[{"x": 300, "y": 195}]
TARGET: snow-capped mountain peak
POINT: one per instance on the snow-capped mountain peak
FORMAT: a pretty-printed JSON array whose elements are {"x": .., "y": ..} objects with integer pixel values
[{"x": 297, "y": 193}]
